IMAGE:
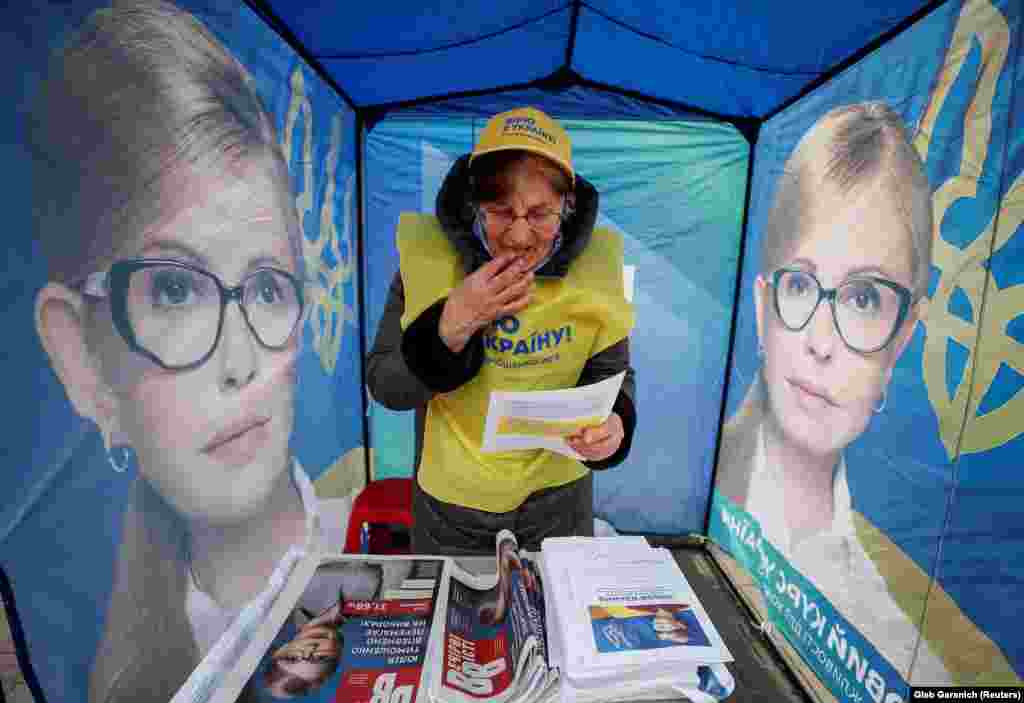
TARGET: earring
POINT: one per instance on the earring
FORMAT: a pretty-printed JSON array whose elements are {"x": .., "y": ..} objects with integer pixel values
[
  {"x": 120, "y": 457},
  {"x": 881, "y": 406}
]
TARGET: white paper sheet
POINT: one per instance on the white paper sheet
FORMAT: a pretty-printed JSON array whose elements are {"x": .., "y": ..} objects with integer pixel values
[{"x": 542, "y": 419}]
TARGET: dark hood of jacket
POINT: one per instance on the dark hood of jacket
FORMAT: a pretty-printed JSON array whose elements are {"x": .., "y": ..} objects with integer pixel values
[{"x": 454, "y": 211}]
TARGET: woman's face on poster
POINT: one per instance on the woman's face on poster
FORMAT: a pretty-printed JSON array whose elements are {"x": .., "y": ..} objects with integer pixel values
[
  {"x": 821, "y": 393},
  {"x": 212, "y": 440}
]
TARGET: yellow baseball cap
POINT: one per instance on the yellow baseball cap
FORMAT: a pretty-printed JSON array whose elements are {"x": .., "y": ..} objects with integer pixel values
[{"x": 529, "y": 129}]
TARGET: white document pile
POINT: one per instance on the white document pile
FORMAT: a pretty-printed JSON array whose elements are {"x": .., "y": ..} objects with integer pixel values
[
  {"x": 624, "y": 624},
  {"x": 542, "y": 419}
]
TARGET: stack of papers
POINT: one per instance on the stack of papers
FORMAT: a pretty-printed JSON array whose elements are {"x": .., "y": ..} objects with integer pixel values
[{"x": 624, "y": 624}]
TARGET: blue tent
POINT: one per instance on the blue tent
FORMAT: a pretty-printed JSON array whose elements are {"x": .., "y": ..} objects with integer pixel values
[
  {"x": 733, "y": 61},
  {"x": 683, "y": 114}
]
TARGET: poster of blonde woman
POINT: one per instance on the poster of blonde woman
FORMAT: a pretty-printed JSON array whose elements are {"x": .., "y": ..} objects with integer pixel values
[
  {"x": 845, "y": 257},
  {"x": 841, "y": 495},
  {"x": 175, "y": 309}
]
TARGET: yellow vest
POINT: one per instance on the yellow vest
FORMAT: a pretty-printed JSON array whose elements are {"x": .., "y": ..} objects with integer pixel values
[{"x": 544, "y": 347}]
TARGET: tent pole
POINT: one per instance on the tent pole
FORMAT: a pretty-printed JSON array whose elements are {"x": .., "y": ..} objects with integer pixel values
[
  {"x": 570, "y": 46},
  {"x": 264, "y": 12},
  {"x": 561, "y": 79},
  {"x": 9, "y": 608},
  {"x": 751, "y": 136},
  {"x": 360, "y": 291}
]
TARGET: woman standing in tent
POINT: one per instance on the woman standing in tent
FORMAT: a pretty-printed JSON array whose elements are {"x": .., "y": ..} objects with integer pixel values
[
  {"x": 845, "y": 261},
  {"x": 510, "y": 287},
  {"x": 172, "y": 317}
]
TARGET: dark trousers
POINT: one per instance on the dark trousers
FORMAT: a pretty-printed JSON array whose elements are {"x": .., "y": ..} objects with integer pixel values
[{"x": 455, "y": 530}]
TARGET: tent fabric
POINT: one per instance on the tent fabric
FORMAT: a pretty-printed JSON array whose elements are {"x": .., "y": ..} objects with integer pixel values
[
  {"x": 374, "y": 101},
  {"x": 735, "y": 60}
]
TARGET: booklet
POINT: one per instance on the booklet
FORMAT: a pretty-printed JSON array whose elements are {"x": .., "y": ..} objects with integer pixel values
[
  {"x": 543, "y": 419},
  {"x": 419, "y": 629}
]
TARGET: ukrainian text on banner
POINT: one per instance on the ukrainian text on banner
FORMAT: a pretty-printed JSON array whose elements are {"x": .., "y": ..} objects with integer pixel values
[{"x": 842, "y": 658}]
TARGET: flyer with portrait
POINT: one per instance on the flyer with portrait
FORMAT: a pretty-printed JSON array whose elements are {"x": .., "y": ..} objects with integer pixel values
[{"x": 624, "y": 624}]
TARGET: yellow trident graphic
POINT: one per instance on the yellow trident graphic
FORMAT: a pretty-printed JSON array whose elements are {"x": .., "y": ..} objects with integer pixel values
[
  {"x": 330, "y": 312},
  {"x": 988, "y": 343}
]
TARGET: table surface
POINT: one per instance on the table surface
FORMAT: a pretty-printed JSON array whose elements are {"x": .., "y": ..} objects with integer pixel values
[{"x": 760, "y": 673}]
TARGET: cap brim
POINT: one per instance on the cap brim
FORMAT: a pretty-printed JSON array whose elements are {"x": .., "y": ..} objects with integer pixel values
[{"x": 521, "y": 147}]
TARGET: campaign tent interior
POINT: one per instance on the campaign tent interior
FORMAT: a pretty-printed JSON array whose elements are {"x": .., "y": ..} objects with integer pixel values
[{"x": 682, "y": 114}]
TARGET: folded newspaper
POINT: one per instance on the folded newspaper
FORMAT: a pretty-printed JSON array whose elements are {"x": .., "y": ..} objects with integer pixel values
[{"x": 419, "y": 629}]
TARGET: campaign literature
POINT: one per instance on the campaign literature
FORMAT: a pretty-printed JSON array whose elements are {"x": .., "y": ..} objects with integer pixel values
[{"x": 586, "y": 620}]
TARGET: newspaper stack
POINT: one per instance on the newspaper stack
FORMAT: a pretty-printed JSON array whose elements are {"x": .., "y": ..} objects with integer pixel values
[
  {"x": 492, "y": 647},
  {"x": 624, "y": 624}
]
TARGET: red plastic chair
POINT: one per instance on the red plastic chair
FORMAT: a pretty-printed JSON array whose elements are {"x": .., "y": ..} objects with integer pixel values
[{"x": 387, "y": 501}]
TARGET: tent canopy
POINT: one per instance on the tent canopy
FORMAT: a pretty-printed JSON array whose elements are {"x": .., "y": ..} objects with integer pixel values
[{"x": 735, "y": 60}]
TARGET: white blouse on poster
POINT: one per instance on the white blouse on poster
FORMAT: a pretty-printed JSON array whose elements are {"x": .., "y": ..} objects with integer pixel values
[
  {"x": 835, "y": 562},
  {"x": 209, "y": 620}
]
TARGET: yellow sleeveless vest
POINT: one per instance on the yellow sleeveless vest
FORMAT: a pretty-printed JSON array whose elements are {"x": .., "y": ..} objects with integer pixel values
[{"x": 544, "y": 347}]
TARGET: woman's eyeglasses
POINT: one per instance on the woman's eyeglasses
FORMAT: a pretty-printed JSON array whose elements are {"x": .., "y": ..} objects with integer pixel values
[
  {"x": 173, "y": 313},
  {"x": 867, "y": 310},
  {"x": 540, "y": 220}
]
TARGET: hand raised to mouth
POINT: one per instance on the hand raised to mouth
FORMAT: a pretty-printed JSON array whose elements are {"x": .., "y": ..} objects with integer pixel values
[{"x": 502, "y": 286}]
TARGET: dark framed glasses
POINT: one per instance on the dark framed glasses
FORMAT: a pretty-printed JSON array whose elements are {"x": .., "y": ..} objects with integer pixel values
[
  {"x": 173, "y": 313},
  {"x": 867, "y": 310}
]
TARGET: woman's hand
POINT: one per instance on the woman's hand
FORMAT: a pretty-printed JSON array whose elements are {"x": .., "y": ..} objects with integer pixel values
[
  {"x": 500, "y": 287},
  {"x": 599, "y": 442}
]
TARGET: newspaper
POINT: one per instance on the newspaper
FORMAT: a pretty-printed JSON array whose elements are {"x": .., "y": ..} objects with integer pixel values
[
  {"x": 494, "y": 644},
  {"x": 543, "y": 419},
  {"x": 357, "y": 628}
]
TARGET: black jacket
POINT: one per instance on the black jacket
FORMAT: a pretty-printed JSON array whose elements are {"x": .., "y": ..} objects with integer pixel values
[{"x": 404, "y": 371}]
